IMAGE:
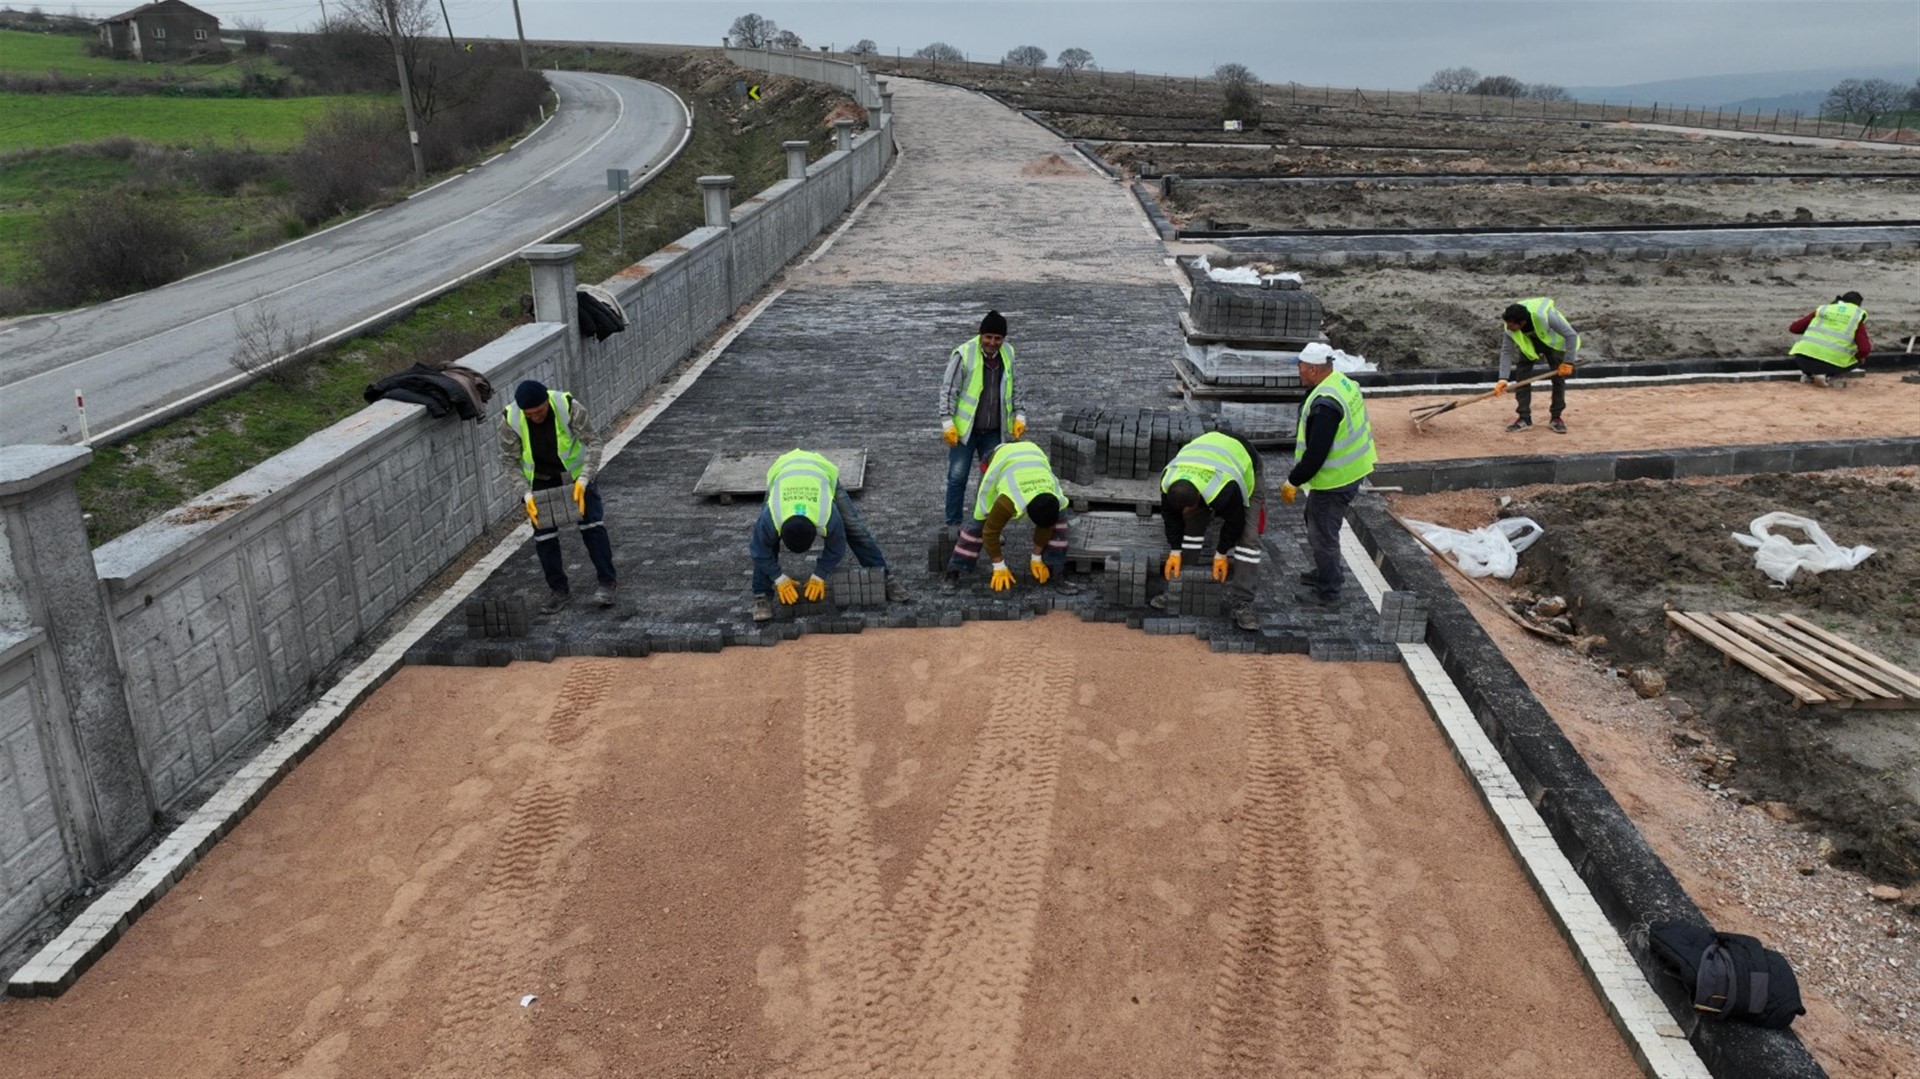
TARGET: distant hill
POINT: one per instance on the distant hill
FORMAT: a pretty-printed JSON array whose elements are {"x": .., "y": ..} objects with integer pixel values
[{"x": 1767, "y": 90}]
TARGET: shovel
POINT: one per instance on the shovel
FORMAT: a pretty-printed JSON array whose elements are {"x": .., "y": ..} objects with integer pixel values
[{"x": 1423, "y": 413}]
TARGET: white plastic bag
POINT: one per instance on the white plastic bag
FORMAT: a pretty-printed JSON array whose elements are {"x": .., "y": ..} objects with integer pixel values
[
  {"x": 1780, "y": 558},
  {"x": 1489, "y": 551}
]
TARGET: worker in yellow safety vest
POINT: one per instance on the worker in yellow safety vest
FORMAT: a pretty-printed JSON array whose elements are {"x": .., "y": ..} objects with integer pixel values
[
  {"x": 979, "y": 405},
  {"x": 804, "y": 500},
  {"x": 1833, "y": 341},
  {"x": 1215, "y": 476},
  {"x": 547, "y": 441},
  {"x": 1537, "y": 333},
  {"x": 1332, "y": 453},
  {"x": 1019, "y": 482}
]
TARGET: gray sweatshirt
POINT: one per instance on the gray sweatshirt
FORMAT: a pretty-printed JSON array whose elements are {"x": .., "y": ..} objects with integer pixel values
[{"x": 1510, "y": 352}]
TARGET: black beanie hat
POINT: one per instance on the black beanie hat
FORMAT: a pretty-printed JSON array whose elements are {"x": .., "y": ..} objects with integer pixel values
[
  {"x": 1516, "y": 312},
  {"x": 995, "y": 322},
  {"x": 1850, "y": 297},
  {"x": 530, "y": 393},
  {"x": 798, "y": 533},
  {"x": 1044, "y": 511}
]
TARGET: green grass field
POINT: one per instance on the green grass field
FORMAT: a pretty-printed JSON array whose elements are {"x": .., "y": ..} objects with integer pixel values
[
  {"x": 271, "y": 124},
  {"x": 23, "y": 53}
]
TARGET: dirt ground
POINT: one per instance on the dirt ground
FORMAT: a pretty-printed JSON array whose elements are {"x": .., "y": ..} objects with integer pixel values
[
  {"x": 1755, "y": 865},
  {"x": 1624, "y": 149},
  {"x": 1000, "y": 849},
  {"x": 1651, "y": 417},
  {"x": 1625, "y": 309},
  {"x": 1596, "y": 203}
]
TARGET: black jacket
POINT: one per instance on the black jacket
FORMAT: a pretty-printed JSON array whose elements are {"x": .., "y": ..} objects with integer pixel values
[{"x": 422, "y": 385}]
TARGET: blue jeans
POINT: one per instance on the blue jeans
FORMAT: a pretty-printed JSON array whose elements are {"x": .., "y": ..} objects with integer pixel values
[
  {"x": 978, "y": 445},
  {"x": 546, "y": 544},
  {"x": 860, "y": 541}
]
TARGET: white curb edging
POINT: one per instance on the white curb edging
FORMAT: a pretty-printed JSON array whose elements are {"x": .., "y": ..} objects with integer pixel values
[{"x": 1656, "y": 1040}]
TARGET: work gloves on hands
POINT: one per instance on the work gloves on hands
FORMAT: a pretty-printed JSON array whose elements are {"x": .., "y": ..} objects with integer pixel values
[
  {"x": 1500, "y": 387},
  {"x": 1221, "y": 567},
  {"x": 1288, "y": 492},
  {"x": 580, "y": 495},
  {"x": 816, "y": 588},
  {"x": 1002, "y": 577},
  {"x": 1019, "y": 426},
  {"x": 786, "y": 590},
  {"x": 950, "y": 433},
  {"x": 1039, "y": 570},
  {"x": 533, "y": 510},
  {"x": 1172, "y": 567},
  {"x": 1564, "y": 370}
]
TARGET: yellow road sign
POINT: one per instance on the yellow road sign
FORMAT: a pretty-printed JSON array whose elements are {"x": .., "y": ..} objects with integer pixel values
[{"x": 754, "y": 91}]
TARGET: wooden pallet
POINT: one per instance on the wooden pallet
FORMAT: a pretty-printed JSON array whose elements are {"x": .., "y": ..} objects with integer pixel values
[
  {"x": 1811, "y": 664},
  {"x": 744, "y": 475},
  {"x": 1141, "y": 496}
]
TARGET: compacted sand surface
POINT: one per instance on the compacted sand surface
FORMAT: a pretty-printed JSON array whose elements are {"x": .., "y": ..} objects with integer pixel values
[{"x": 1043, "y": 848}]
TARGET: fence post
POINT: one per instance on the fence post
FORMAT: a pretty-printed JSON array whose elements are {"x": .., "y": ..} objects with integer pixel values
[
  {"x": 796, "y": 159},
  {"x": 554, "y": 285},
  {"x": 843, "y": 134}
]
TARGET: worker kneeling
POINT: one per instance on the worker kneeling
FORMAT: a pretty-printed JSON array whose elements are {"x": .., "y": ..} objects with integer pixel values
[
  {"x": 805, "y": 499},
  {"x": 1215, "y": 475},
  {"x": 1019, "y": 482}
]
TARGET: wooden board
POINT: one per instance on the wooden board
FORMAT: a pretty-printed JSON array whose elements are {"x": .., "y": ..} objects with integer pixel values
[
  {"x": 1141, "y": 496},
  {"x": 1810, "y": 663},
  {"x": 1091, "y": 537},
  {"x": 735, "y": 475}
]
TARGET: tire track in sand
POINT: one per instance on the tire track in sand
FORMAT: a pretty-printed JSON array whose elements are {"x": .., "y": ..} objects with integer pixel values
[
  {"x": 503, "y": 938},
  {"x": 1303, "y": 986},
  {"x": 935, "y": 981}
]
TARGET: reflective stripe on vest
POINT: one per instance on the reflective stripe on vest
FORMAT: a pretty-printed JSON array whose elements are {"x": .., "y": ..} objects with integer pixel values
[
  {"x": 801, "y": 484},
  {"x": 973, "y": 372},
  {"x": 1351, "y": 458},
  {"x": 1210, "y": 462},
  {"x": 1018, "y": 470},
  {"x": 1539, "y": 307},
  {"x": 571, "y": 453},
  {"x": 1829, "y": 337}
]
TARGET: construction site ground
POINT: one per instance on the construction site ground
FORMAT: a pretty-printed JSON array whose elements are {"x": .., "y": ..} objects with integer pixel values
[{"x": 1018, "y": 847}]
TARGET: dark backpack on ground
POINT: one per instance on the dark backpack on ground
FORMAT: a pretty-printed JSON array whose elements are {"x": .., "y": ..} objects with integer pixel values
[{"x": 1731, "y": 976}]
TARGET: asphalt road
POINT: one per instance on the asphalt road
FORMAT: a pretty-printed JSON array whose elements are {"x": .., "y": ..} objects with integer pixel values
[{"x": 140, "y": 354}]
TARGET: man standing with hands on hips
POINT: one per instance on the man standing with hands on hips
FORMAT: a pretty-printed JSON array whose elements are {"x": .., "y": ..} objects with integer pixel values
[
  {"x": 979, "y": 406},
  {"x": 1332, "y": 453}
]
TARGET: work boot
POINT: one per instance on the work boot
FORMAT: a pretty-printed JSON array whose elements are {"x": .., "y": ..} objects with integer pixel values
[
  {"x": 951, "y": 581},
  {"x": 1159, "y": 602},
  {"x": 603, "y": 596},
  {"x": 1244, "y": 618},
  {"x": 1557, "y": 425},
  {"x": 762, "y": 609},
  {"x": 1308, "y": 597},
  {"x": 556, "y": 601},
  {"x": 1064, "y": 587},
  {"x": 1310, "y": 576},
  {"x": 1822, "y": 382},
  {"x": 896, "y": 591},
  {"x": 1521, "y": 424}
]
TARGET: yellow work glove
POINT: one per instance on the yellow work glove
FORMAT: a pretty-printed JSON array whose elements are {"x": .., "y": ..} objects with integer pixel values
[
  {"x": 816, "y": 589},
  {"x": 1220, "y": 567},
  {"x": 533, "y": 510},
  {"x": 1172, "y": 567},
  {"x": 1500, "y": 387},
  {"x": 580, "y": 496},
  {"x": 1019, "y": 426},
  {"x": 786, "y": 590},
  {"x": 1288, "y": 492},
  {"x": 1039, "y": 570},
  {"x": 951, "y": 434},
  {"x": 1564, "y": 370},
  {"x": 1002, "y": 577}
]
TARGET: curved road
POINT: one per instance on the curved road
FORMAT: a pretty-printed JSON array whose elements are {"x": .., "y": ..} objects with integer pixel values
[{"x": 143, "y": 353}]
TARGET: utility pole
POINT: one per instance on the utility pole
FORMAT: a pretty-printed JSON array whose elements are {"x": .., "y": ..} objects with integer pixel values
[
  {"x": 391, "y": 9},
  {"x": 522, "y": 32},
  {"x": 324, "y": 25},
  {"x": 449, "y": 22}
]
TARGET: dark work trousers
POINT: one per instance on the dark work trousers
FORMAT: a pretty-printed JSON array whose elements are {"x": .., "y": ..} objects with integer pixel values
[
  {"x": 1810, "y": 367},
  {"x": 860, "y": 542},
  {"x": 977, "y": 445},
  {"x": 1523, "y": 396},
  {"x": 966, "y": 551},
  {"x": 593, "y": 533},
  {"x": 1325, "y": 511}
]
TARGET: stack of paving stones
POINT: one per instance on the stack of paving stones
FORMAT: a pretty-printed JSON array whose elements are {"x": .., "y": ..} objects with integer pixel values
[
  {"x": 1281, "y": 312},
  {"x": 556, "y": 506},
  {"x": 1263, "y": 425},
  {"x": 1403, "y": 617},
  {"x": 789, "y": 380},
  {"x": 857, "y": 586},
  {"x": 487, "y": 618}
]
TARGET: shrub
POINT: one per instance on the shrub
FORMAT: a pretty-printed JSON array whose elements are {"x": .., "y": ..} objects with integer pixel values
[
  {"x": 109, "y": 247},
  {"x": 348, "y": 160}
]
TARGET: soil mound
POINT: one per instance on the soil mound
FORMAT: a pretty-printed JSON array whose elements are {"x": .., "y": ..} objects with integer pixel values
[{"x": 1049, "y": 165}]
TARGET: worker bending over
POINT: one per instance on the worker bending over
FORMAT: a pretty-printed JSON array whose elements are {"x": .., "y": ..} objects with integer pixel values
[
  {"x": 1019, "y": 482},
  {"x": 1833, "y": 339},
  {"x": 804, "y": 499},
  {"x": 1332, "y": 453},
  {"x": 1215, "y": 475},
  {"x": 1536, "y": 333}
]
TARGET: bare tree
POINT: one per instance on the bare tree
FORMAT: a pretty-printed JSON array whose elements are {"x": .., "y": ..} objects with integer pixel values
[
  {"x": 787, "y": 40},
  {"x": 1865, "y": 100},
  {"x": 1546, "y": 91},
  {"x": 1027, "y": 56},
  {"x": 863, "y": 47},
  {"x": 253, "y": 32},
  {"x": 939, "y": 50},
  {"x": 751, "y": 31},
  {"x": 1072, "y": 60},
  {"x": 266, "y": 342},
  {"x": 1452, "y": 80},
  {"x": 1499, "y": 86},
  {"x": 1241, "y": 89}
]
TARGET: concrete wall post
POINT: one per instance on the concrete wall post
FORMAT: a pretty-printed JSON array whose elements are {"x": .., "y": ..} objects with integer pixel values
[
  {"x": 796, "y": 159},
  {"x": 843, "y": 134},
  {"x": 717, "y": 192},
  {"x": 50, "y": 581},
  {"x": 554, "y": 300}
]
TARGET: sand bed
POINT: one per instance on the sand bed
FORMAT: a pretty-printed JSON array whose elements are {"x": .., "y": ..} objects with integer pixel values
[{"x": 1022, "y": 848}]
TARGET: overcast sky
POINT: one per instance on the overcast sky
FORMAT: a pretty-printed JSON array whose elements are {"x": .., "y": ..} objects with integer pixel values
[{"x": 1393, "y": 45}]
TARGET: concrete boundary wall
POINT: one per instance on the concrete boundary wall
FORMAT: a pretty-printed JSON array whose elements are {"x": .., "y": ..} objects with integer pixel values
[
  {"x": 846, "y": 75},
  {"x": 226, "y": 612}
]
